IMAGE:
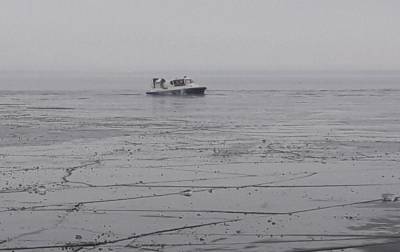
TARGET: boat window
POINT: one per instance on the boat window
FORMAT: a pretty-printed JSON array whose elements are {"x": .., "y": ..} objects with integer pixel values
[
  {"x": 177, "y": 83},
  {"x": 188, "y": 81}
]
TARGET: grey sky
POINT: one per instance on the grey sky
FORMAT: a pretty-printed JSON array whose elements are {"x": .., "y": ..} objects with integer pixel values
[{"x": 125, "y": 35}]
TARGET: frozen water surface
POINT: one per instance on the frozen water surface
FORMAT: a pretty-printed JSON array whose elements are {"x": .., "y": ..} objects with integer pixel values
[{"x": 234, "y": 170}]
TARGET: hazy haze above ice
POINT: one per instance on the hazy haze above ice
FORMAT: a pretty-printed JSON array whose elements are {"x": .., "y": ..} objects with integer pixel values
[{"x": 128, "y": 35}]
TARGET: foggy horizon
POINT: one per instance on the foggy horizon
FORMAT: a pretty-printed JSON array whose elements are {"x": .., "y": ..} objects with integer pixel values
[{"x": 134, "y": 36}]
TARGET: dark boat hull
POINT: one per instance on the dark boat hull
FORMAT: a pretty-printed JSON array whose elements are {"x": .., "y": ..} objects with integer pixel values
[{"x": 185, "y": 91}]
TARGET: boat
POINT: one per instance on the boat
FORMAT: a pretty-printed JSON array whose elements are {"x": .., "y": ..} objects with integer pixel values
[{"x": 178, "y": 86}]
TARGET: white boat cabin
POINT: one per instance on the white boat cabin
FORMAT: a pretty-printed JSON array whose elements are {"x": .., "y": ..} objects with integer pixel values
[
  {"x": 162, "y": 83},
  {"x": 183, "y": 85}
]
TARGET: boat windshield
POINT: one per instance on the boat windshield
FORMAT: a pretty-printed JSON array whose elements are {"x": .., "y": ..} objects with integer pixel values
[
  {"x": 188, "y": 81},
  {"x": 177, "y": 83}
]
